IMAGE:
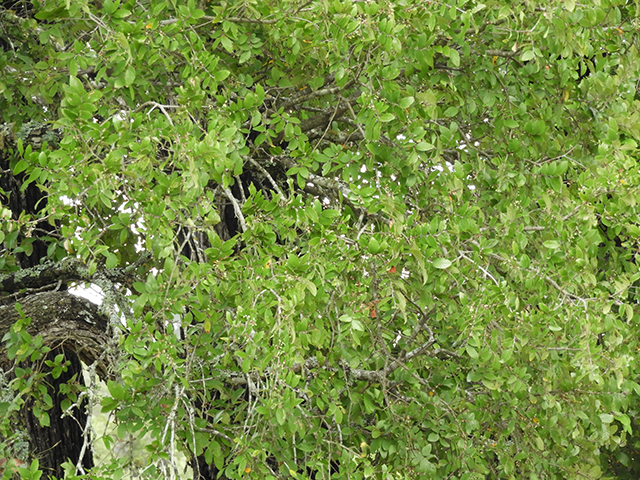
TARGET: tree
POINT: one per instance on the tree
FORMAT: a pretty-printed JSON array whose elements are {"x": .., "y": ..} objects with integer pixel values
[{"x": 348, "y": 239}]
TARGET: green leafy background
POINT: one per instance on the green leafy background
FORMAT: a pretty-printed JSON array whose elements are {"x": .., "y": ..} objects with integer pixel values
[{"x": 478, "y": 321}]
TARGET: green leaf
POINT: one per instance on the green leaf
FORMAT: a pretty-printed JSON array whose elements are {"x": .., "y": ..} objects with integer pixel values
[
  {"x": 21, "y": 166},
  {"x": 129, "y": 76},
  {"x": 450, "y": 112},
  {"x": 373, "y": 246},
  {"x": 606, "y": 417},
  {"x": 338, "y": 415},
  {"x": 387, "y": 117},
  {"x": 112, "y": 260},
  {"x": 221, "y": 75},
  {"x": 454, "y": 56},
  {"x": 527, "y": 55},
  {"x": 406, "y": 102},
  {"x": 280, "y": 416},
  {"x": 538, "y": 443},
  {"x": 441, "y": 263},
  {"x": 424, "y": 146}
]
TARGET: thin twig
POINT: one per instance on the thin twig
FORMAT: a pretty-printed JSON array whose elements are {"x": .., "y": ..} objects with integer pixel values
[
  {"x": 485, "y": 271},
  {"x": 266, "y": 174}
]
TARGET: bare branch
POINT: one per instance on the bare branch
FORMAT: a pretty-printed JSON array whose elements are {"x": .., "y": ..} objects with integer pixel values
[
  {"x": 236, "y": 209},
  {"x": 266, "y": 174},
  {"x": 501, "y": 53},
  {"x": 155, "y": 105},
  {"x": 317, "y": 93}
]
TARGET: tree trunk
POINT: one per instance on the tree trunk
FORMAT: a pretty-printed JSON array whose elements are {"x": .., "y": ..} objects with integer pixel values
[
  {"x": 74, "y": 328},
  {"x": 63, "y": 439}
]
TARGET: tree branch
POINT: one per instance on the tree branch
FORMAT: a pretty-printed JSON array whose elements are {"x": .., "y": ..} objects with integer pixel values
[
  {"x": 316, "y": 93},
  {"x": 69, "y": 269},
  {"x": 236, "y": 209}
]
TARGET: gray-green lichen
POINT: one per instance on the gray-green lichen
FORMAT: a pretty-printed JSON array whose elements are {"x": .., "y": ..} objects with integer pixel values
[{"x": 37, "y": 133}]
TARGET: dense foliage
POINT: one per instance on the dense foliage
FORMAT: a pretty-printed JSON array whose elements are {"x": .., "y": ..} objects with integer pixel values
[{"x": 399, "y": 238}]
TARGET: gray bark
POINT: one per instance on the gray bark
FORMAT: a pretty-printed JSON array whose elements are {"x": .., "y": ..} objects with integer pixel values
[{"x": 73, "y": 327}]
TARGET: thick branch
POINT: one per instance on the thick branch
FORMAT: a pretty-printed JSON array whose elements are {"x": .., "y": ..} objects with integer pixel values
[
  {"x": 316, "y": 93},
  {"x": 67, "y": 270}
]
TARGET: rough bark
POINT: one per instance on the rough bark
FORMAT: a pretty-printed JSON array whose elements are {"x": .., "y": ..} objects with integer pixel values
[
  {"x": 63, "y": 320},
  {"x": 71, "y": 326},
  {"x": 58, "y": 442}
]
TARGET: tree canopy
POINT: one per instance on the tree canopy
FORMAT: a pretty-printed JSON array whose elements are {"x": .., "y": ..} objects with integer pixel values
[{"x": 335, "y": 239}]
